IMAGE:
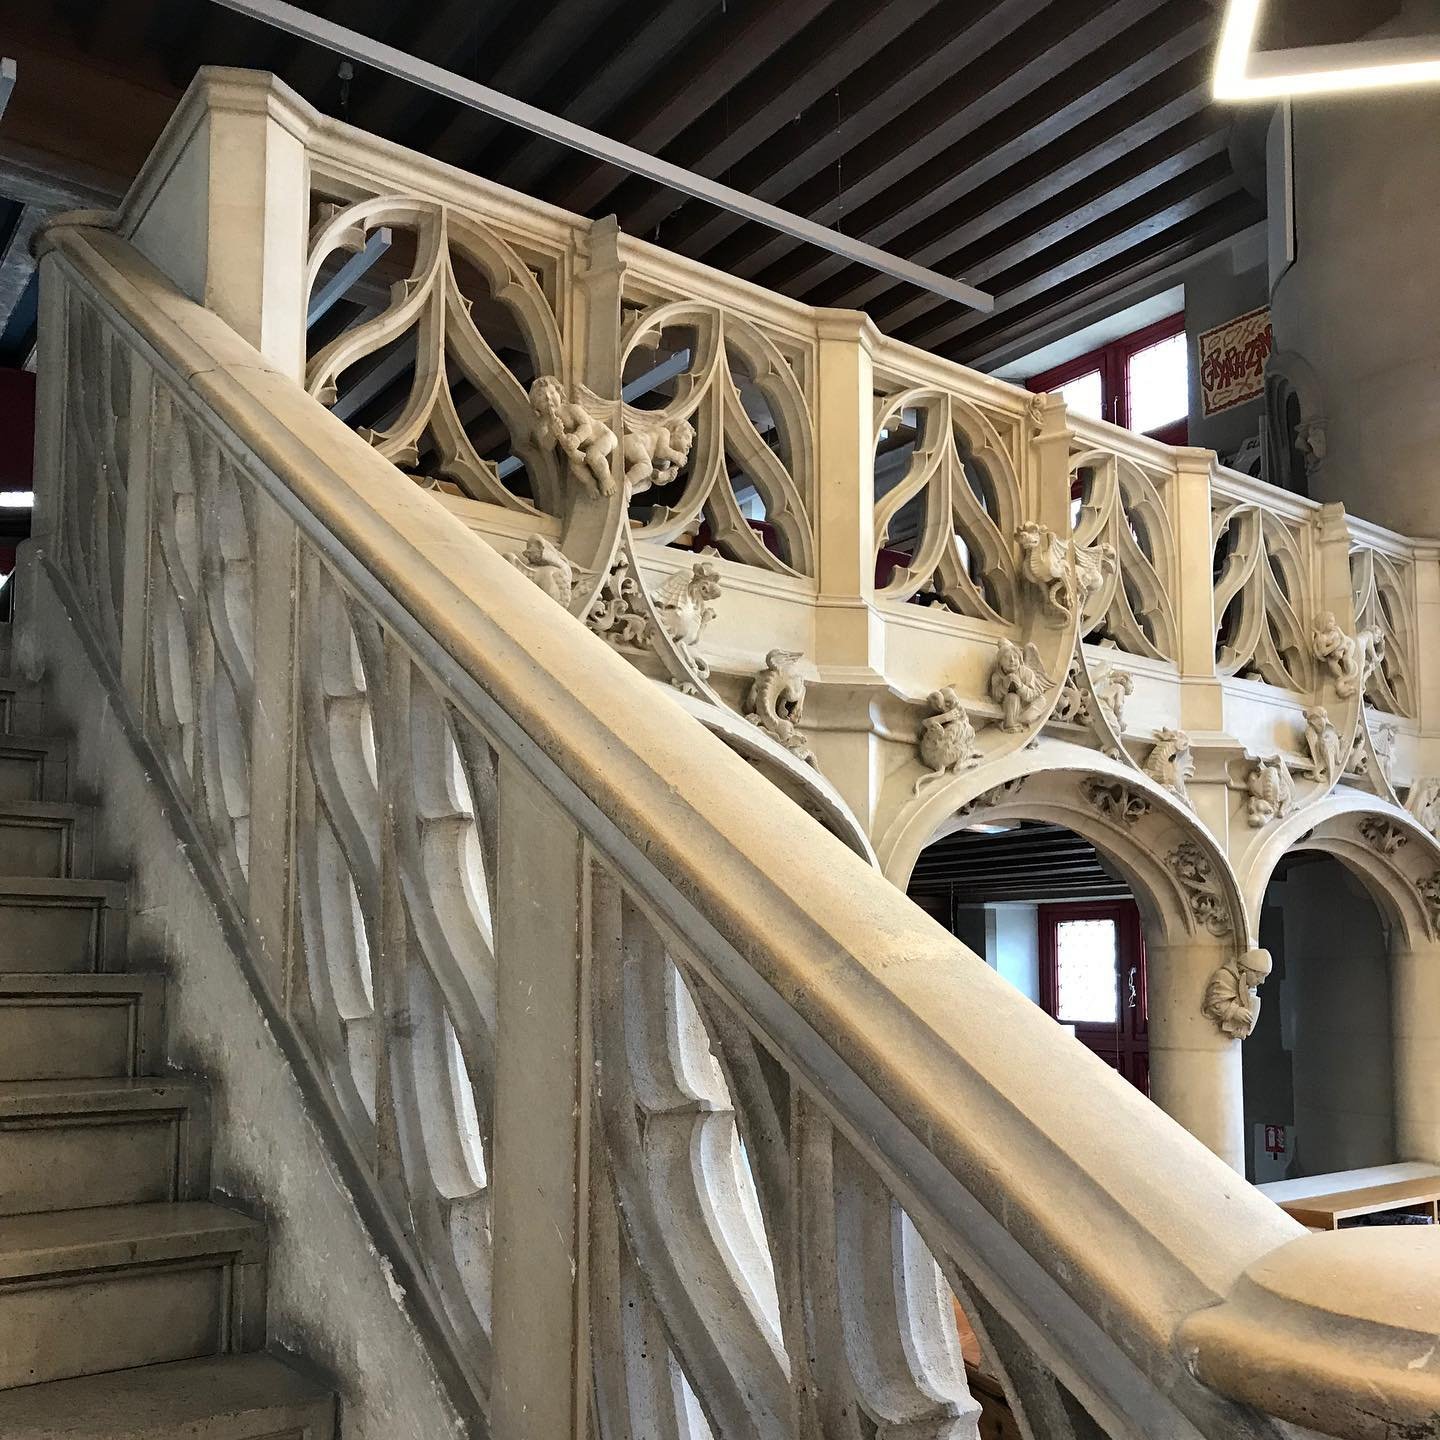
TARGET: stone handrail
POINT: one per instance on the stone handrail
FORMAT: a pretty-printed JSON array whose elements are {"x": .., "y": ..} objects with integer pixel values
[{"x": 668, "y": 1083}]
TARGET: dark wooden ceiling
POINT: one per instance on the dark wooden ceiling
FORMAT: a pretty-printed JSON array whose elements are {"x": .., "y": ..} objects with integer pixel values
[
  {"x": 1032, "y": 861},
  {"x": 1052, "y": 151}
]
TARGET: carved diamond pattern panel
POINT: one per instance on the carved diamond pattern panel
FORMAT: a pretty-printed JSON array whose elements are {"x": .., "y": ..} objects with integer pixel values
[
  {"x": 1383, "y": 605},
  {"x": 718, "y": 430},
  {"x": 1263, "y": 597},
  {"x": 947, "y": 504},
  {"x": 435, "y": 372},
  {"x": 1121, "y": 508}
]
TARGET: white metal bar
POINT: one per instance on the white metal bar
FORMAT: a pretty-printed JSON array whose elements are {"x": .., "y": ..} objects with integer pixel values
[
  {"x": 7, "y": 83},
  {"x": 339, "y": 284},
  {"x": 387, "y": 58}
]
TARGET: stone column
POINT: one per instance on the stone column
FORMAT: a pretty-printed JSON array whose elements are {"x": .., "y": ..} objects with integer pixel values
[
  {"x": 1415, "y": 1021},
  {"x": 1195, "y": 1070}
]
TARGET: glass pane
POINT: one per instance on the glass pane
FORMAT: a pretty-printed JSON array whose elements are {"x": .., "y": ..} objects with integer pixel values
[
  {"x": 1084, "y": 395},
  {"x": 1086, "y": 972},
  {"x": 1158, "y": 381}
]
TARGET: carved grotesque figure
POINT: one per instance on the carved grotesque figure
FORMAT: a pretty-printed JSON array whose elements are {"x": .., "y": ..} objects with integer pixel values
[
  {"x": 1423, "y": 802},
  {"x": 1045, "y": 562},
  {"x": 947, "y": 738},
  {"x": 681, "y": 602},
  {"x": 655, "y": 451},
  {"x": 1322, "y": 740},
  {"x": 1170, "y": 763},
  {"x": 776, "y": 700},
  {"x": 586, "y": 442},
  {"x": 1112, "y": 689},
  {"x": 1337, "y": 651},
  {"x": 1018, "y": 685},
  {"x": 1271, "y": 791},
  {"x": 1230, "y": 998},
  {"x": 1370, "y": 650},
  {"x": 547, "y": 567}
]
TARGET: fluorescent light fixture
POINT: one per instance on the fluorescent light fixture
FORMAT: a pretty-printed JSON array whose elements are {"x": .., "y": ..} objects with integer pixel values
[
  {"x": 1243, "y": 74},
  {"x": 386, "y": 58},
  {"x": 17, "y": 499}
]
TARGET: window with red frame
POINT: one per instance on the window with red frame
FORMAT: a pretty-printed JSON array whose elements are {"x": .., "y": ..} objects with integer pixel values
[{"x": 1141, "y": 382}]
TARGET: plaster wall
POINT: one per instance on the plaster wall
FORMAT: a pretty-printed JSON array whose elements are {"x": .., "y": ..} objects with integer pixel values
[
  {"x": 1016, "y": 947},
  {"x": 1321, "y": 1058},
  {"x": 1360, "y": 304},
  {"x": 1222, "y": 287}
]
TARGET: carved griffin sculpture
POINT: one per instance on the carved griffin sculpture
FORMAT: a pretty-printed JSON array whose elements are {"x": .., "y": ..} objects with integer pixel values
[
  {"x": 681, "y": 602},
  {"x": 1045, "y": 563},
  {"x": 776, "y": 701}
]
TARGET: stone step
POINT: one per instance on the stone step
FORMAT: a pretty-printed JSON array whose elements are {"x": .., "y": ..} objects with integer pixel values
[
  {"x": 33, "y": 767},
  {"x": 61, "y": 925},
  {"x": 66, "y": 1027},
  {"x": 235, "y": 1397},
  {"x": 83, "y": 1292},
  {"x": 44, "y": 838},
  {"x": 72, "y": 1144}
]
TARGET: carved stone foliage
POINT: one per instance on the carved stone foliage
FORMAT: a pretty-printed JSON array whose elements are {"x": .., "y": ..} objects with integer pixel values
[
  {"x": 617, "y": 615},
  {"x": 547, "y": 567},
  {"x": 1271, "y": 791},
  {"x": 1429, "y": 889},
  {"x": 1000, "y": 794},
  {"x": 467, "y": 294},
  {"x": 1231, "y": 1000},
  {"x": 1195, "y": 871},
  {"x": 1123, "y": 519},
  {"x": 1385, "y": 616},
  {"x": 948, "y": 500},
  {"x": 1322, "y": 740},
  {"x": 1170, "y": 763},
  {"x": 1046, "y": 562},
  {"x": 733, "y": 442},
  {"x": 1115, "y": 800},
  {"x": 947, "y": 738},
  {"x": 776, "y": 701},
  {"x": 1019, "y": 685},
  {"x": 1261, "y": 593},
  {"x": 1383, "y": 836}
]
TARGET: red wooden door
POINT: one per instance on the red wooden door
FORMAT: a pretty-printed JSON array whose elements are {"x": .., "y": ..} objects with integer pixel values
[{"x": 1092, "y": 977}]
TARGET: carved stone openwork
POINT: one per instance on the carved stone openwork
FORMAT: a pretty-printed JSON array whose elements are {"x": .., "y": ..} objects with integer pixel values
[
  {"x": 947, "y": 505},
  {"x": 728, "y": 439},
  {"x": 1385, "y": 615},
  {"x": 1262, "y": 599},
  {"x": 1122, "y": 508},
  {"x": 461, "y": 339}
]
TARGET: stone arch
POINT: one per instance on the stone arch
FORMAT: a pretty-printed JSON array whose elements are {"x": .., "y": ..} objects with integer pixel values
[
  {"x": 1289, "y": 376},
  {"x": 1389, "y": 851},
  {"x": 1138, "y": 826}
]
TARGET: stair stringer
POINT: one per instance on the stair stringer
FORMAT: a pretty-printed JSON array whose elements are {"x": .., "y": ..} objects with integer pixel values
[{"x": 342, "y": 1292}]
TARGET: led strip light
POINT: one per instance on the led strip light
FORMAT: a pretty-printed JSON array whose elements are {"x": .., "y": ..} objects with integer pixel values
[
  {"x": 387, "y": 58},
  {"x": 1243, "y": 74}
]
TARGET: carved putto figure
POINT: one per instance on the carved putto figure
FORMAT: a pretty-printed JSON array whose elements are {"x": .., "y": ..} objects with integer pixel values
[
  {"x": 655, "y": 451},
  {"x": 1170, "y": 763},
  {"x": 775, "y": 702},
  {"x": 1271, "y": 791},
  {"x": 947, "y": 738},
  {"x": 681, "y": 602},
  {"x": 1230, "y": 993},
  {"x": 1018, "y": 685},
  {"x": 1322, "y": 740},
  {"x": 546, "y": 565},
  {"x": 1338, "y": 652},
  {"x": 586, "y": 442},
  {"x": 1045, "y": 562},
  {"x": 1112, "y": 689}
]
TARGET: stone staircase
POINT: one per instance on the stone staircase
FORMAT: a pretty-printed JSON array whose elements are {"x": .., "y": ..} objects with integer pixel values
[{"x": 132, "y": 1307}]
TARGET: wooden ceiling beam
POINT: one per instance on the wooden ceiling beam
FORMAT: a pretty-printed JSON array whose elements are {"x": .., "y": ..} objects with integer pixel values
[
  {"x": 751, "y": 30},
  {"x": 907, "y": 171},
  {"x": 1013, "y": 176},
  {"x": 1237, "y": 212}
]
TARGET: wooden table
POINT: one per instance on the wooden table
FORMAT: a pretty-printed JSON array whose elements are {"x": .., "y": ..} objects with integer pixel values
[{"x": 1325, "y": 1212}]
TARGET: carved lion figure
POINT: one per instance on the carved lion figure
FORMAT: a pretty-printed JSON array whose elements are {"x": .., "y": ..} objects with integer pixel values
[
  {"x": 586, "y": 442},
  {"x": 947, "y": 738},
  {"x": 545, "y": 565}
]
